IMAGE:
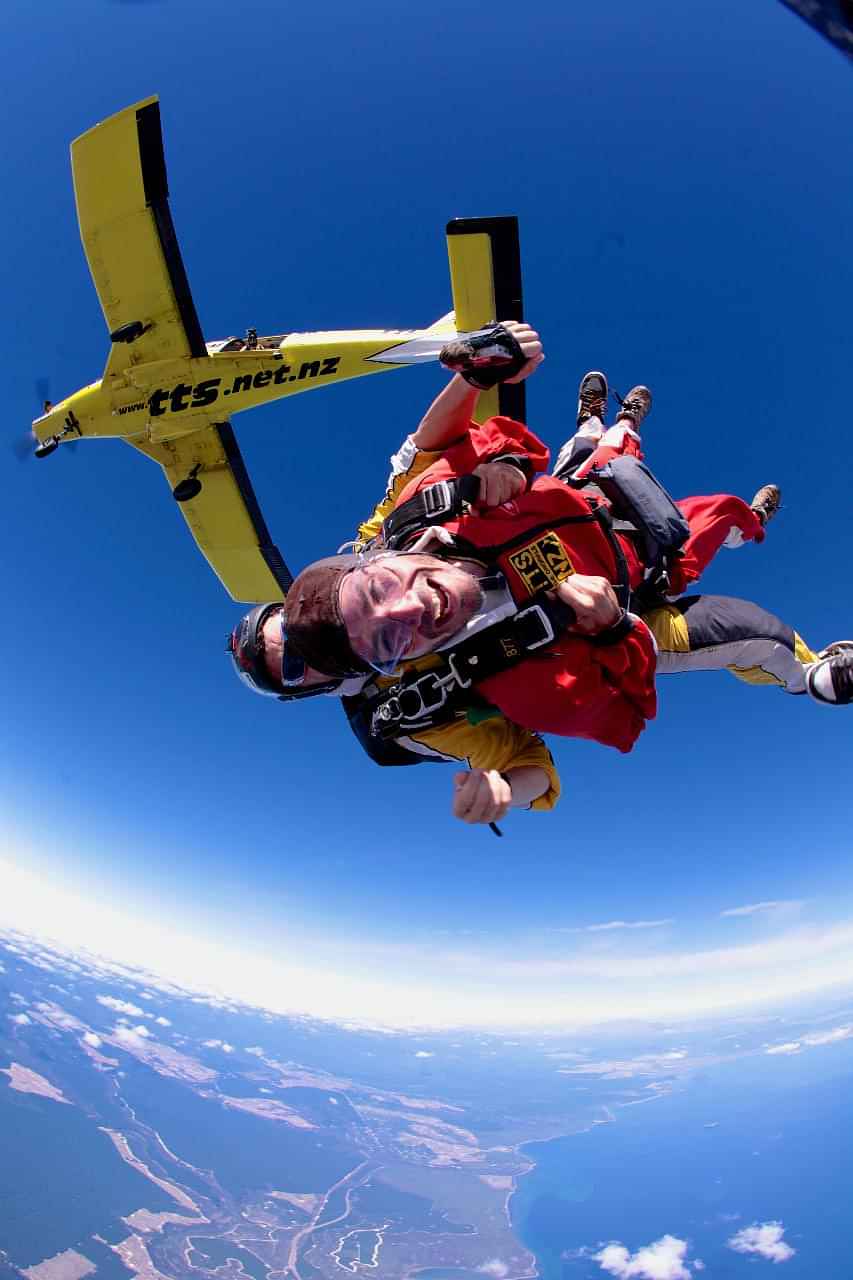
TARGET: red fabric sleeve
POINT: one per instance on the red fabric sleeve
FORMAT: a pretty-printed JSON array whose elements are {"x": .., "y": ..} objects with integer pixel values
[
  {"x": 483, "y": 442},
  {"x": 579, "y": 690}
]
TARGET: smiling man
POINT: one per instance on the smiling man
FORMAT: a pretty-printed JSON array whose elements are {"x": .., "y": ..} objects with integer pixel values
[
  {"x": 526, "y": 591},
  {"x": 519, "y": 609},
  {"x": 500, "y": 618}
]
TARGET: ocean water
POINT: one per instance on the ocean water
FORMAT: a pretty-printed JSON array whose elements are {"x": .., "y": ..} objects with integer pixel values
[{"x": 770, "y": 1139}]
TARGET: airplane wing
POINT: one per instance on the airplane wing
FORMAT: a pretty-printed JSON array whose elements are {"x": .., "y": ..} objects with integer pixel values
[
  {"x": 832, "y": 18},
  {"x": 485, "y": 277},
  {"x": 126, "y": 227},
  {"x": 224, "y": 517},
  {"x": 132, "y": 250}
]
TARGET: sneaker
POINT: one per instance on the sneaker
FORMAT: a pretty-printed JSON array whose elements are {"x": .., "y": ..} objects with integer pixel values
[
  {"x": 592, "y": 397},
  {"x": 837, "y": 646},
  {"x": 635, "y": 406},
  {"x": 767, "y": 502},
  {"x": 831, "y": 679}
]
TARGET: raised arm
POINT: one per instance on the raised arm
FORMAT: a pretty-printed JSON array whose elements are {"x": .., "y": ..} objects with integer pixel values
[
  {"x": 453, "y": 408},
  {"x": 446, "y": 420}
]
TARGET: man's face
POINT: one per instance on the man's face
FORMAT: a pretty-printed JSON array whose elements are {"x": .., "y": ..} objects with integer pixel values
[
  {"x": 271, "y": 631},
  {"x": 403, "y": 606}
]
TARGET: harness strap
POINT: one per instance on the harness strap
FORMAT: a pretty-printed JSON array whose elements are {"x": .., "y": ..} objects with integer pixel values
[
  {"x": 423, "y": 699},
  {"x": 622, "y": 585},
  {"x": 439, "y": 502}
]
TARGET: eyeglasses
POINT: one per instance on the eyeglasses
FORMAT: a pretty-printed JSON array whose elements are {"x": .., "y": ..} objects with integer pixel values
[{"x": 391, "y": 639}]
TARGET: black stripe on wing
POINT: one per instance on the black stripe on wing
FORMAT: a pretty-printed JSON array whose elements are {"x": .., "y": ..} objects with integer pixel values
[
  {"x": 153, "y": 161},
  {"x": 270, "y": 552}
]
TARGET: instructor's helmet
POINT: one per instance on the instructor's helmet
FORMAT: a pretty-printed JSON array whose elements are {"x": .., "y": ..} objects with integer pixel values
[{"x": 246, "y": 647}]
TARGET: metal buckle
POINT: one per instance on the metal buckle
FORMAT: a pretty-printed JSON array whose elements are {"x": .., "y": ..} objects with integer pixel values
[
  {"x": 460, "y": 680},
  {"x": 393, "y": 711},
  {"x": 429, "y": 682},
  {"x": 438, "y": 499},
  {"x": 545, "y": 622}
]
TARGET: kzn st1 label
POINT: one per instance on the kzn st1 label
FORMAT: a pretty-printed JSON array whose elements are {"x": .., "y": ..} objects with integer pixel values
[{"x": 184, "y": 396}]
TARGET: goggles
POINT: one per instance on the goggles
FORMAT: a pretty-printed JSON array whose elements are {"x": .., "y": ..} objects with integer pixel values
[
  {"x": 391, "y": 639},
  {"x": 248, "y": 654}
]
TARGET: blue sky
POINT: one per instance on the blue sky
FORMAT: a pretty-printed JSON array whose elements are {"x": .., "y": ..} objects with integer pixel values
[{"x": 683, "y": 184}]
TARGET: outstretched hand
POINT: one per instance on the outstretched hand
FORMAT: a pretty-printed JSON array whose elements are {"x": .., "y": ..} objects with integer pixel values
[{"x": 481, "y": 795}]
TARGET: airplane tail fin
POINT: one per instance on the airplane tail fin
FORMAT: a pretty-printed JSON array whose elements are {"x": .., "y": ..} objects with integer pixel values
[{"x": 485, "y": 276}]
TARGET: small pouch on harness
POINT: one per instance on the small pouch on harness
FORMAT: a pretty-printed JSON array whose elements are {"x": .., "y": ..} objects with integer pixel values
[{"x": 637, "y": 497}]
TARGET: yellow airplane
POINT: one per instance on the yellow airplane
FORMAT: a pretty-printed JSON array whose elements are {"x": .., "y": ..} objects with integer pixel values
[{"x": 170, "y": 394}]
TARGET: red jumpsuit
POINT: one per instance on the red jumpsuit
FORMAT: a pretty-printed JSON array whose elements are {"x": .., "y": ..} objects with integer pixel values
[{"x": 576, "y": 688}]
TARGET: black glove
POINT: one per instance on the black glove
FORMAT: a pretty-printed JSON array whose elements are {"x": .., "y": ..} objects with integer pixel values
[{"x": 484, "y": 358}]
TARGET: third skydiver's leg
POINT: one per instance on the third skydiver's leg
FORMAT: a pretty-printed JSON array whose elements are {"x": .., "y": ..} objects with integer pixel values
[
  {"x": 592, "y": 408},
  {"x": 720, "y": 520},
  {"x": 716, "y": 520},
  {"x": 713, "y": 633}
]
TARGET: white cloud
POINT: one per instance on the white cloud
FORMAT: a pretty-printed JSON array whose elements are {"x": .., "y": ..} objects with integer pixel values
[
  {"x": 663, "y": 1260},
  {"x": 627, "y": 924},
  {"x": 163, "y": 1022},
  {"x": 21, "y": 1019},
  {"x": 121, "y": 1006},
  {"x": 91, "y": 1039},
  {"x": 813, "y": 1040},
  {"x": 829, "y": 1037},
  {"x": 644, "y": 1064},
  {"x": 494, "y": 1267},
  {"x": 764, "y": 1239},
  {"x": 753, "y": 908},
  {"x": 218, "y": 1044},
  {"x": 422, "y": 1053},
  {"x": 133, "y": 1036},
  {"x": 698, "y": 1265},
  {"x": 600, "y": 978}
]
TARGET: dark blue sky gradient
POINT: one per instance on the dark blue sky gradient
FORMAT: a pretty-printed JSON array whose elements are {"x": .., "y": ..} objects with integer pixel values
[{"x": 682, "y": 176}]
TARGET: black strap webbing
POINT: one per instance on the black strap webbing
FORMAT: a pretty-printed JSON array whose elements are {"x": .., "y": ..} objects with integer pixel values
[
  {"x": 439, "y": 502},
  {"x": 422, "y": 699}
]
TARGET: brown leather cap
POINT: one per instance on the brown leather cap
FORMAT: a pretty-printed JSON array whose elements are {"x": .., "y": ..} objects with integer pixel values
[{"x": 315, "y": 627}]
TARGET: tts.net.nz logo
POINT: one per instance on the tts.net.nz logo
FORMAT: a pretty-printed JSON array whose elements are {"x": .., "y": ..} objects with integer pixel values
[{"x": 184, "y": 396}]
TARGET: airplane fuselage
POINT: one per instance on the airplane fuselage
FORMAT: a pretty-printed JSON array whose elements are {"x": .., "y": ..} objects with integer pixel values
[{"x": 163, "y": 399}]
